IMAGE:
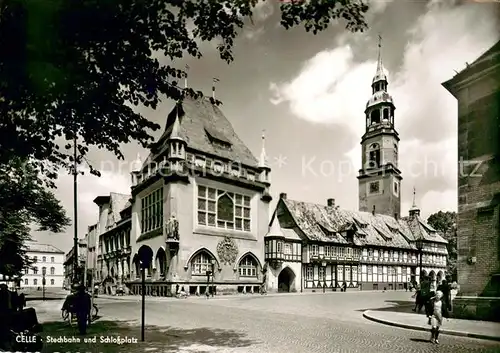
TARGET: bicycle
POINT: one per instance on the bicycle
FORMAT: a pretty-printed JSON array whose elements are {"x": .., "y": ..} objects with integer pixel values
[{"x": 70, "y": 316}]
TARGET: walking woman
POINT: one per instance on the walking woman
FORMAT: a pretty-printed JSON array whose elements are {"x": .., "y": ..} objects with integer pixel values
[{"x": 438, "y": 313}]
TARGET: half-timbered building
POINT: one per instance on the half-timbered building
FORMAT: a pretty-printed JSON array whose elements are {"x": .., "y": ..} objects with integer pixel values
[{"x": 311, "y": 247}]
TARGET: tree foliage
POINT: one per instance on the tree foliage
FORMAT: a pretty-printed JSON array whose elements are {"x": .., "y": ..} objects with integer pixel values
[
  {"x": 77, "y": 69},
  {"x": 81, "y": 66},
  {"x": 446, "y": 224},
  {"x": 24, "y": 200}
]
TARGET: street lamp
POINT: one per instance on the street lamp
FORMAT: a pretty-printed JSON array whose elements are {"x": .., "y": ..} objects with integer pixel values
[
  {"x": 323, "y": 265},
  {"x": 44, "y": 272},
  {"x": 420, "y": 246}
]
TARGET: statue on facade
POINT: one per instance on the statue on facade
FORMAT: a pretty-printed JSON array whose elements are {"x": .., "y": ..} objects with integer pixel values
[{"x": 172, "y": 228}]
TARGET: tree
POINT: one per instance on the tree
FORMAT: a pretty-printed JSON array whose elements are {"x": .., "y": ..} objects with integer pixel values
[
  {"x": 24, "y": 200},
  {"x": 446, "y": 224},
  {"x": 75, "y": 70},
  {"x": 79, "y": 67}
]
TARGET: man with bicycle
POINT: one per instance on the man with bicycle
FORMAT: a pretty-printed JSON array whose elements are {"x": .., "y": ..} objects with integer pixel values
[{"x": 82, "y": 304}]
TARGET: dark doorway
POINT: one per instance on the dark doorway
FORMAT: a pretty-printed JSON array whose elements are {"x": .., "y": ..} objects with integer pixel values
[{"x": 286, "y": 280}]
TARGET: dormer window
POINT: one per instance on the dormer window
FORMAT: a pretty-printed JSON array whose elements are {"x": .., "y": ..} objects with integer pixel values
[{"x": 217, "y": 138}]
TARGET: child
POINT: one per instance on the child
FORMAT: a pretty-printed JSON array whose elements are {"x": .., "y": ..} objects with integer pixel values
[{"x": 437, "y": 316}]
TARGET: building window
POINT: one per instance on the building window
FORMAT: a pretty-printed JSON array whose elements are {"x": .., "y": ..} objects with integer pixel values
[
  {"x": 25, "y": 281},
  {"x": 314, "y": 250},
  {"x": 288, "y": 249},
  {"x": 309, "y": 273},
  {"x": 152, "y": 211},
  {"x": 52, "y": 270},
  {"x": 35, "y": 282},
  {"x": 328, "y": 251},
  {"x": 52, "y": 259},
  {"x": 321, "y": 274},
  {"x": 374, "y": 187},
  {"x": 369, "y": 269},
  {"x": 44, "y": 270},
  {"x": 26, "y": 271},
  {"x": 44, "y": 259},
  {"x": 201, "y": 264},
  {"x": 396, "y": 188},
  {"x": 221, "y": 209},
  {"x": 248, "y": 267},
  {"x": 267, "y": 247},
  {"x": 35, "y": 270},
  {"x": 35, "y": 258},
  {"x": 279, "y": 247},
  {"x": 52, "y": 282}
]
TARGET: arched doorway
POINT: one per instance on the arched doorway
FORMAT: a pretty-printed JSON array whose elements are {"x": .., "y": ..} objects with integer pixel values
[
  {"x": 440, "y": 276},
  {"x": 286, "y": 280},
  {"x": 432, "y": 275}
]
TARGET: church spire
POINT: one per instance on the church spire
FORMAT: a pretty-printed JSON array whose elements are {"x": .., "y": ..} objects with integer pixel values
[
  {"x": 263, "y": 156},
  {"x": 380, "y": 73},
  {"x": 414, "y": 210}
]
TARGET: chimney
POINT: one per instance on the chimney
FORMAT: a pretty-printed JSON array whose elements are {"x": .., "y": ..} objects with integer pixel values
[
  {"x": 330, "y": 202},
  {"x": 373, "y": 211},
  {"x": 283, "y": 196}
]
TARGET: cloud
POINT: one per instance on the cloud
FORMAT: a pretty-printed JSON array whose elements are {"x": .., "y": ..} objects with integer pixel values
[{"x": 332, "y": 88}]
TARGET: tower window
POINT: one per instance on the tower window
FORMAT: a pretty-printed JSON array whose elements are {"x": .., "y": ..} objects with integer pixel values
[
  {"x": 375, "y": 116},
  {"x": 374, "y": 160},
  {"x": 396, "y": 188},
  {"x": 374, "y": 187}
]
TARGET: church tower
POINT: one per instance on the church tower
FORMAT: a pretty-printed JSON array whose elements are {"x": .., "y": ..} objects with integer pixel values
[{"x": 380, "y": 178}]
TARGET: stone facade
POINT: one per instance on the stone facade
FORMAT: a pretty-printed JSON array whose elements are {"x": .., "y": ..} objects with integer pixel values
[
  {"x": 477, "y": 89},
  {"x": 199, "y": 204}
]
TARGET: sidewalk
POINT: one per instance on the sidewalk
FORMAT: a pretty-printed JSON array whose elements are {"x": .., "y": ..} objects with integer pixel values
[
  {"x": 455, "y": 327},
  {"x": 221, "y": 297}
]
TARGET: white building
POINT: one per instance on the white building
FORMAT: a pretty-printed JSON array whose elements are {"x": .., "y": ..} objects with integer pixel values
[{"x": 46, "y": 257}]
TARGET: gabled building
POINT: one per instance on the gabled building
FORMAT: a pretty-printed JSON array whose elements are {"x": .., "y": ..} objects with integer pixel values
[
  {"x": 113, "y": 241},
  {"x": 312, "y": 246},
  {"x": 200, "y": 203}
]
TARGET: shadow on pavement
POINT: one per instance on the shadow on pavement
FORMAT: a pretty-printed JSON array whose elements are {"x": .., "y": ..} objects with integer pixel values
[
  {"x": 419, "y": 340},
  {"x": 155, "y": 337}
]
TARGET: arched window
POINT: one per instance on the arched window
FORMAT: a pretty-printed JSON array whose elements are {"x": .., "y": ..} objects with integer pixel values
[
  {"x": 374, "y": 155},
  {"x": 44, "y": 259},
  {"x": 225, "y": 209},
  {"x": 25, "y": 281},
  {"x": 386, "y": 113},
  {"x": 44, "y": 270},
  {"x": 248, "y": 267},
  {"x": 35, "y": 282},
  {"x": 35, "y": 270},
  {"x": 52, "y": 282},
  {"x": 201, "y": 263},
  {"x": 52, "y": 259},
  {"x": 375, "y": 116},
  {"x": 52, "y": 270}
]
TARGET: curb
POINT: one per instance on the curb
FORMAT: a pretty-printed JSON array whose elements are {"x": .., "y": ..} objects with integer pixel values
[{"x": 366, "y": 315}]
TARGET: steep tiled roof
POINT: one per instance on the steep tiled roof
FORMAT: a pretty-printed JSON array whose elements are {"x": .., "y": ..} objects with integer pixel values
[
  {"x": 34, "y": 246},
  {"x": 325, "y": 224},
  {"x": 201, "y": 121},
  {"x": 118, "y": 203}
]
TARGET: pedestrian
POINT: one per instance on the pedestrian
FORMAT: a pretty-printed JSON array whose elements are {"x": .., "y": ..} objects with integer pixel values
[
  {"x": 437, "y": 316},
  {"x": 82, "y": 305},
  {"x": 444, "y": 287},
  {"x": 177, "y": 289}
]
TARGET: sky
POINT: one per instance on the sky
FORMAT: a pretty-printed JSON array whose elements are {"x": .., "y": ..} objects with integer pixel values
[{"x": 308, "y": 93}]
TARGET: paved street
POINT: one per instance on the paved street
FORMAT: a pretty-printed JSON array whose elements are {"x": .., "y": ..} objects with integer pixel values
[{"x": 297, "y": 323}]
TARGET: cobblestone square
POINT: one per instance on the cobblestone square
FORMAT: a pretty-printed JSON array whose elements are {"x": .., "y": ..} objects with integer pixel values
[{"x": 317, "y": 322}]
